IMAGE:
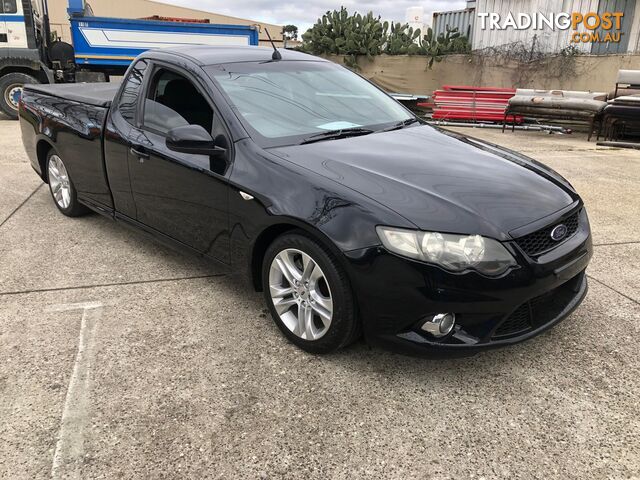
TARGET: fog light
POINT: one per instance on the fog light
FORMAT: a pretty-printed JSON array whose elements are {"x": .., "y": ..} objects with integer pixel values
[{"x": 440, "y": 325}]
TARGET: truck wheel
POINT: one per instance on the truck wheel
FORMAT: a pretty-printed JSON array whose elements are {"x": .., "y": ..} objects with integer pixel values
[
  {"x": 11, "y": 91},
  {"x": 308, "y": 294},
  {"x": 61, "y": 187}
]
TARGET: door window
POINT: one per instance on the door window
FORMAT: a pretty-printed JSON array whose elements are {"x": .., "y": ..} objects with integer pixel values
[
  {"x": 128, "y": 104},
  {"x": 8, "y": 6},
  {"x": 174, "y": 101}
]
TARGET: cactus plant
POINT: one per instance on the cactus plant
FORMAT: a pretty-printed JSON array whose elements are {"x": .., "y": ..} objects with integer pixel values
[
  {"x": 402, "y": 40},
  {"x": 339, "y": 33},
  {"x": 446, "y": 43}
]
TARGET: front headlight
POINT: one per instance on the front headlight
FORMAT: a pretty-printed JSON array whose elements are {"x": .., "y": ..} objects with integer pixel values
[{"x": 455, "y": 253}]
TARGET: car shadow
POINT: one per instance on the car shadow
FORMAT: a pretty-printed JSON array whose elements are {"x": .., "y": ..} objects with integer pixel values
[{"x": 368, "y": 360}]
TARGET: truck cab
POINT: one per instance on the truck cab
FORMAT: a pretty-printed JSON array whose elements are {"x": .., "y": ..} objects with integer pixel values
[
  {"x": 13, "y": 32},
  {"x": 24, "y": 43},
  {"x": 102, "y": 46}
]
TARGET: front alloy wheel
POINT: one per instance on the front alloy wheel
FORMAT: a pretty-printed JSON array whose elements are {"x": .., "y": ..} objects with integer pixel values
[
  {"x": 308, "y": 294},
  {"x": 300, "y": 294}
]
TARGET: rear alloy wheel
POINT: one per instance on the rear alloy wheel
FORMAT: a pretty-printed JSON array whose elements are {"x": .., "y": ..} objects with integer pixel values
[
  {"x": 11, "y": 92},
  {"x": 62, "y": 189},
  {"x": 308, "y": 294}
]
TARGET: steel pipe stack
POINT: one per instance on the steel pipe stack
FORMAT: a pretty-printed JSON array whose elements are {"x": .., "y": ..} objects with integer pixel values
[{"x": 473, "y": 104}]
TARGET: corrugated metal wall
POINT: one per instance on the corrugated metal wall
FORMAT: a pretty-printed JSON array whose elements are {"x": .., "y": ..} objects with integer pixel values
[
  {"x": 629, "y": 9},
  {"x": 547, "y": 40},
  {"x": 634, "y": 37},
  {"x": 463, "y": 20}
]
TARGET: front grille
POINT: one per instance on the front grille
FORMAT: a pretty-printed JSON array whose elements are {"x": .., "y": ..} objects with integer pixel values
[
  {"x": 537, "y": 243},
  {"x": 539, "y": 310}
]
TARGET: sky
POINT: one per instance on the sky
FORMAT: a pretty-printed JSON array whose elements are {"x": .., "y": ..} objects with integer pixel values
[{"x": 304, "y": 14}]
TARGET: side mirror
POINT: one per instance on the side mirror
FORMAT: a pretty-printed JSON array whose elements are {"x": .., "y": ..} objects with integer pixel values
[{"x": 193, "y": 139}]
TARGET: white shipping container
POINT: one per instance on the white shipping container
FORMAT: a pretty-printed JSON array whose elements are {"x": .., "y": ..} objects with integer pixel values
[{"x": 463, "y": 20}]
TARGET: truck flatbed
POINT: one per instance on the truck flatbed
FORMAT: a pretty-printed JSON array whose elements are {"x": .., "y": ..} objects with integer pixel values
[{"x": 96, "y": 94}]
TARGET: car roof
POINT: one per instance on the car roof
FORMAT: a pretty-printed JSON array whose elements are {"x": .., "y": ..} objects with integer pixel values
[{"x": 214, "y": 55}]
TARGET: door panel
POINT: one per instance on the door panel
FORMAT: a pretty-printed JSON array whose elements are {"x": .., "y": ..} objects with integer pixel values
[
  {"x": 178, "y": 195},
  {"x": 181, "y": 195},
  {"x": 4, "y": 39},
  {"x": 15, "y": 30},
  {"x": 116, "y": 148},
  {"x": 122, "y": 117}
]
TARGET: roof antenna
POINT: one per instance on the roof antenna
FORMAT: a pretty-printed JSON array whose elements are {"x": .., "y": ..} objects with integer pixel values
[{"x": 276, "y": 54}]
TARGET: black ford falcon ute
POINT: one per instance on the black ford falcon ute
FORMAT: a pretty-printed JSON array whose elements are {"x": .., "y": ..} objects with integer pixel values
[{"x": 348, "y": 212}]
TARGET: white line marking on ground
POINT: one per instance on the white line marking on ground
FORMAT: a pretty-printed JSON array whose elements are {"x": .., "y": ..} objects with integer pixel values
[
  {"x": 65, "y": 307},
  {"x": 69, "y": 450}
]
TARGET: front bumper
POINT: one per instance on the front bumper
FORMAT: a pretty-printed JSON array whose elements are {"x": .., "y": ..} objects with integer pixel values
[{"x": 396, "y": 294}]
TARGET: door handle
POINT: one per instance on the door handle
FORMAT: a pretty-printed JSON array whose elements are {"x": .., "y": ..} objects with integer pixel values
[{"x": 139, "y": 154}]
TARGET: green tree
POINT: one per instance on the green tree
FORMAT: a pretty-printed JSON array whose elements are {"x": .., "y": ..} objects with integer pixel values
[{"x": 290, "y": 32}]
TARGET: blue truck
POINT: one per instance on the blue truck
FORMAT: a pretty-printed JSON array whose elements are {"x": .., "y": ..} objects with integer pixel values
[{"x": 101, "y": 46}]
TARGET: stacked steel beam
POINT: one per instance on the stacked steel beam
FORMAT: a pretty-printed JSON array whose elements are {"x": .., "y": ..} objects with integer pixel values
[{"x": 474, "y": 104}]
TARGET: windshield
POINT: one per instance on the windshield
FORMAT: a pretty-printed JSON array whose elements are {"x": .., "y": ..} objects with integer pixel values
[{"x": 289, "y": 100}]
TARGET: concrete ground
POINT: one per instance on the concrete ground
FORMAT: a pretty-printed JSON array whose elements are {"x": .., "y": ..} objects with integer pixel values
[{"x": 122, "y": 359}]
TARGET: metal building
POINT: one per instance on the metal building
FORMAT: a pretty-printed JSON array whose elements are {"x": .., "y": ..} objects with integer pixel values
[
  {"x": 59, "y": 17},
  {"x": 630, "y": 12},
  {"x": 546, "y": 39}
]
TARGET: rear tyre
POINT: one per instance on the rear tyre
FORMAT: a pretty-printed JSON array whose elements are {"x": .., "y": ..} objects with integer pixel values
[
  {"x": 308, "y": 294},
  {"x": 61, "y": 187},
  {"x": 11, "y": 90}
]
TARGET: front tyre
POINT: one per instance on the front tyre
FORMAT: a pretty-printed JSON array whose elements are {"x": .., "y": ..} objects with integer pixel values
[
  {"x": 62, "y": 188},
  {"x": 11, "y": 90},
  {"x": 308, "y": 294}
]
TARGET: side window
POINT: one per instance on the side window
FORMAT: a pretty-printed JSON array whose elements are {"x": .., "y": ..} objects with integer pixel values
[
  {"x": 8, "y": 6},
  {"x": 129, "y": 98},
  {"x": 174, "y": 101}
]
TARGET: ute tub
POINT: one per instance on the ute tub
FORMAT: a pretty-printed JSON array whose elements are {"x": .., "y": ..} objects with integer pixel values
[
  {"x": 69, "y": 120},
  {"x": 621, "y": 118},
  {"x": 555, "y": 105},
  {"x": 559, "y": 100}
]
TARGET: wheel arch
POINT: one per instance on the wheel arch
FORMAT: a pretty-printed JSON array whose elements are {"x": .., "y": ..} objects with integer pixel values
[
  {"x": 43, "y": 147},
  {"x": 38, "y": 74},
  {"x": 275, "y": 230}
]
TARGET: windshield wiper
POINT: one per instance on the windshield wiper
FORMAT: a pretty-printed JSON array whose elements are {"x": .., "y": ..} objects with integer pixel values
[
  {"x": 399, "y": 125},
  {"x": 337, "y": 134}
]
